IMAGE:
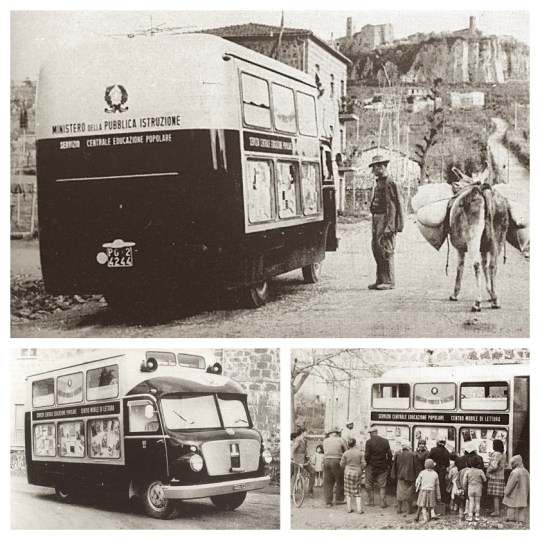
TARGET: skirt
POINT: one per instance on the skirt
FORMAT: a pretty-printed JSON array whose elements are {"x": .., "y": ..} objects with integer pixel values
[
  {"x": 351, "y": 484},
  {"x": 405, "y": 490},
  {"x": 427, "y": 498},
  {"x": 495, "y": 487}
]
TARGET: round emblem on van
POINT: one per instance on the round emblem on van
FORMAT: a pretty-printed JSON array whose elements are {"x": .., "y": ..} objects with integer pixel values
[
  {"x": 230, "y": 431},
  {"x": 115, "y": 96}
]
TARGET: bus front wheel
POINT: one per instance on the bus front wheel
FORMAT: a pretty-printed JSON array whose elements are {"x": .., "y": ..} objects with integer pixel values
[
  {"x": 258, "y": 294},
  {"x": 63, "y": 494},
  {"x": 230, "y": 501},
  {"x": 155, "y": 503},
  {"x": 312, "y": 272}
]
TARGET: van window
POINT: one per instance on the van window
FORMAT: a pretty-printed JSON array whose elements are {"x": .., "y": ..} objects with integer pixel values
[
  {"x": 485, "y": 396},
  {"x": 142, "y": 416},
  {"x": 233, "y": 412},
  {"x": 311, "y": 194},
  {"x": 391, "y": 396},
  {"x": 190, "y": 412},
  {"x": 307, "y": 116},
  {"x": 287, "y": 179},
  {"x": 256, "y": 100},
  {"x": 45, "y": 440},
  {"x": 69, "y": 388},
  {"x": 439, "y": 396},
  {"x": 163, "y": 358},
  {"x": 102, "y": 383},
  {"x": 71, "y": 439},
  {"x": 191, "y": 360},
  {"x": 284, "y": 109},
  {"x": 104, "y": 438},
  {"x": 260, "y": 191},
  {"x": 43, "y": 393}
]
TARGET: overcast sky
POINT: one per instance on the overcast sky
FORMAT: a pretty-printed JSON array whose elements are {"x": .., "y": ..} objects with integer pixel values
[{"x": 36, "y": 34}]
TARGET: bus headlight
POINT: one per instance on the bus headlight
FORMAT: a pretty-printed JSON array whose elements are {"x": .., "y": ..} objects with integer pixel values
[
  {"x": 196, "y": 462},
  {"x": 267, "y": 456}
]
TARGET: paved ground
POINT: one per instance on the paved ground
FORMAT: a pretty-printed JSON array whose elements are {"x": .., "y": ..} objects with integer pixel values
[
  {"x": 33, "y": 507},
  {"x": 339, "y": 306},
  {"x": 313, "y": 514}
]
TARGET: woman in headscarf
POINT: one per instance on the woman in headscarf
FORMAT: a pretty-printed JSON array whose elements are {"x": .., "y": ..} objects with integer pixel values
[
  {"x": 405, "y": 470},
  {"x": 516, "y": 492},
  {"x": 495, "y": 475}
]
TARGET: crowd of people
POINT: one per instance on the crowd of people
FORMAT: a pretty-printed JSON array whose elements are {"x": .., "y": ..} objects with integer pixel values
[{"x": 430, "y": 479}]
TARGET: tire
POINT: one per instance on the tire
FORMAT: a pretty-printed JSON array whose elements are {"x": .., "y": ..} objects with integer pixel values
[
  {"x": 64, "y": 494},
  {"x": 257, "y": 295},
  {"x": 299, "y": 491},
  {"x": 231, "y": 501},
  {"x": 312, "y": 272},
  {"x": 154, "y": 502}
]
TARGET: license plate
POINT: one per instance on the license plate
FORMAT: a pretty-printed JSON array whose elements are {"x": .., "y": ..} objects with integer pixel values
[
  {"x": 119, "y": 257},
  {"x": 239, "y": 487}
]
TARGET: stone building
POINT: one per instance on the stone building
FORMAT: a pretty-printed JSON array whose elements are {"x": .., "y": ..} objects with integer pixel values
[
  {"x": 467, "y": 100},
  {"x": 257, "y": 370},
  {"x": 370, "y": 37},
  {"x": 303, "y": 50}
]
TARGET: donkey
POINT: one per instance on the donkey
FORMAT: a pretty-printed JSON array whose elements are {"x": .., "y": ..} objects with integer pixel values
[{"x": 478, "y": 222}]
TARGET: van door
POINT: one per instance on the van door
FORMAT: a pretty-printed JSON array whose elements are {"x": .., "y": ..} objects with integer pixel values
[{"x": 144, "y": 440}]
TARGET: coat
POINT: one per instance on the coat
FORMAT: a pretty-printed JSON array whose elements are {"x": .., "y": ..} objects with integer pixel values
[
  {"x": 405, "y": 466},
  {"x": 395, "y": 213},
  {"x": 516, "y": 492}
]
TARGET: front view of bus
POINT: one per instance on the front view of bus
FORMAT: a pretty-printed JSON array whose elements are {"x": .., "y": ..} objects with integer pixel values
[{"x": 190, "y": 436}]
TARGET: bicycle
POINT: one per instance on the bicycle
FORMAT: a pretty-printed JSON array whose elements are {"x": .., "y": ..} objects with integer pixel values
[{"x": 300, "y": 483}]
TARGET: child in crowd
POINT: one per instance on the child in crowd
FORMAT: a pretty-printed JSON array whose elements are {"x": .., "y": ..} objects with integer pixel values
[
  {"x": 427, "y": 484},
  {"x": 516, "y": 492},
  {"x": 318, "y": 462},
  {"x": 460, "y": 497},
  {"x": 473, "y": 485},
  {"x": 452, "y": 484}
]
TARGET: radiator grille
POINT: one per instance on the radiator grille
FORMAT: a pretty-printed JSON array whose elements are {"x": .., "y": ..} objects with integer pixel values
[{"x": 220, "y": 456}]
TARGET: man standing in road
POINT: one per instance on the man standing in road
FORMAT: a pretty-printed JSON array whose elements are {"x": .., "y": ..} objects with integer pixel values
[
  {"x": 378, "y": 461},
  {"x": 388, "y": 219},
  {"x": 334, "y": 447},
  {"x": 299, "y": 455}
]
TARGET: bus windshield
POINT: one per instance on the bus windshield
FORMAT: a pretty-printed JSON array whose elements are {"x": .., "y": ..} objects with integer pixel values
[{"x": 201, "y": 412}]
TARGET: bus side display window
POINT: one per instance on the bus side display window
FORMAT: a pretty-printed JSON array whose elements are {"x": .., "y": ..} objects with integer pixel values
[
  {"x": 311, "y": 197},
  {"x": 489, "y": 396},
  {"x": 71, "y": 439},
  {"x": 104, "y": 438},
  {"x": 307, "y": 115},
  {"x": 431, "y": 434},
  {"x": 256, "y": 101},
  {"x": 287, "y": 176},
  {"x": 284, "y": 109},
  {"x": 394, "y": 434},
  {"x": 45, "y": 440},
  {"x": 260, "y": 191},
  {"x": 482, "y": 438},
  {"x": 437, "y": 396},
  {"x": 102, "y": 383},
  {"x": 69, "y": 388},
  {"x": 43, "y": 393}
]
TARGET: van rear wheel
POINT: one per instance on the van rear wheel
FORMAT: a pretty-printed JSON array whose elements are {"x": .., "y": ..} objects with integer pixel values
[
  {"x": 64, "y": 494},
  {"x": 312, "y": 272},
  {"x": 231, "y": 501},
  {"x": 257, "y": 295},
  {"x": 155, "y": 503}
]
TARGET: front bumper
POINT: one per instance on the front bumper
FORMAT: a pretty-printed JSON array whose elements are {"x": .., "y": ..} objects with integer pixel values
[{"x": 219, "y": 488}]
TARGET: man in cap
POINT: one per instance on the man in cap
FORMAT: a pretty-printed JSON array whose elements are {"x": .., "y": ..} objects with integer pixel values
[
  {"x": 387, "y": 220},
  {"x": 378, "y": 458},
  {"x": 334, "y": 447},
  {"x": 348, "y": 432},
  {"x": 300, "y": 456},
  {"x": 441, "y": 456}
]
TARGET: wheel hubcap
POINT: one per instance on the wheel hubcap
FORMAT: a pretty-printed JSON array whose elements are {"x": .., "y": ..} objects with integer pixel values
[
  {"x": 262, "y": 289},
  {"x": 156, "y": 495}
]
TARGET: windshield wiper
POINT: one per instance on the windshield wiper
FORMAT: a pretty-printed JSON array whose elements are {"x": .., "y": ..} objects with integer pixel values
[
  {"x": 184, "y": 419},
  {"x": 240, "y": 420}
]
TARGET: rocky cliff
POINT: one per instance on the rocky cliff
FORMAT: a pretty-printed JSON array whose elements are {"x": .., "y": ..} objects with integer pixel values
[{"x": 455, "y": 59}]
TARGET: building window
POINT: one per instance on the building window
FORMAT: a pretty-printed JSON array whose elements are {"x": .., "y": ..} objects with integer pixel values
[
  {"x": 256, "y": 101},
  {"x": 28, "y": 353},
  {"x": 342, "y": 88},
  {"x": 332, "y": 86},
  {"x": 104, "y": 438}
]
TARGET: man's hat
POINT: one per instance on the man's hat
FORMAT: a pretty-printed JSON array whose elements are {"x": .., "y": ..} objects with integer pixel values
[
  {"x": 372, "y": 429},
  {"x": 334, "y": 430},
  {"x": 349, "y": 421},
  {"x": 379, "y": 159}
]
